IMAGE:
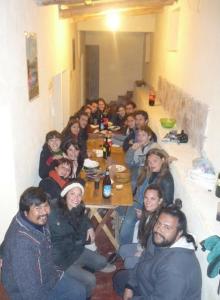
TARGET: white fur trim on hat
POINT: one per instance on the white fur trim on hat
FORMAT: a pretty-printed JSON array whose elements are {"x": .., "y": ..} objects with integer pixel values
[{"x": 70, "y": 187}]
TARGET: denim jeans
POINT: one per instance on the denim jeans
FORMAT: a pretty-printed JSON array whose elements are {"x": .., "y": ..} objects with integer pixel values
[
  {"x": 127, "y": 226},
  {"x": 88, "y": 260},
  {"x": 68, "y": 288},
  {"x": 127, "y": 253},
  {"x": 120, "y": 279}
]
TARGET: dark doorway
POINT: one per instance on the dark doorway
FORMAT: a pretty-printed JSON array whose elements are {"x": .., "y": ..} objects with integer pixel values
[{"x": 92, "y": 72}]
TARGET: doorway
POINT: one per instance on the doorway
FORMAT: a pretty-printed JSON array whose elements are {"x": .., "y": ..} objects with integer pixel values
[{"x": 92, "y": 72}]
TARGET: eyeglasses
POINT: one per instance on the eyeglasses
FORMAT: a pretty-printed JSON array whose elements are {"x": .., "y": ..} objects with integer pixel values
[{"x": 165, "y": 227}]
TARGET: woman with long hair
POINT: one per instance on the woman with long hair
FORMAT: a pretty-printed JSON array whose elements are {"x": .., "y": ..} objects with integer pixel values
[
  {"x": 153, "y": 202},
  {"x": 156, "y": 170},
  {"x": 72, "y": 152},
  {"x": 70, "y": 230},
  {"x": 72, "y": 131}
]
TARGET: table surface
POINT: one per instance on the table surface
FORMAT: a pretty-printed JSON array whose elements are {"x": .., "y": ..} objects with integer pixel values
[{"x": 93, "y": 197}]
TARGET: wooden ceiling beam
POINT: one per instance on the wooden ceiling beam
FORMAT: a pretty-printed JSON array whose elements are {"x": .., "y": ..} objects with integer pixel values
[
  {"x": 94, "y": 2},
  {"x": 126, "y": 11},
  {"x": 102, "y": 7}
]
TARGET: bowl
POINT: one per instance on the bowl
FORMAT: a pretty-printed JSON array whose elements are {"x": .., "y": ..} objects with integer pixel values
[
  {"x": 167, "y": 122},
  {"x": 122, "y": 178}
]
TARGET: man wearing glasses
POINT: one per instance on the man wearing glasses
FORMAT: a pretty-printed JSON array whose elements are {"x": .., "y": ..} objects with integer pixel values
[{"x": 168, "y": 268}]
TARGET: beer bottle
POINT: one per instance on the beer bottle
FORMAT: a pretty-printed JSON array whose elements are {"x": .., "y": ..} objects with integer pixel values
[
  {"x": 106, "y": 149},
  {"x": 105, "y": 120},
  {"x": 217, "y": 190},
  {"x": 101, "y": 124},
  {"x": 107, "y": 186}
]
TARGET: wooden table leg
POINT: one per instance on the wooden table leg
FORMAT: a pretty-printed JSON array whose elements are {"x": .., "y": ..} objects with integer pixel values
[{"x": 102, "y": 225}]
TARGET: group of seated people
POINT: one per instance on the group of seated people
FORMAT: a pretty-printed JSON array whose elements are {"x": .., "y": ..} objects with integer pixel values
[{"x": 46, "y": 252}]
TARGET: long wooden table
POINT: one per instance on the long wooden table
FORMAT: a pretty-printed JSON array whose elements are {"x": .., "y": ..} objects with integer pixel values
[{"x": 93, "y": 197}]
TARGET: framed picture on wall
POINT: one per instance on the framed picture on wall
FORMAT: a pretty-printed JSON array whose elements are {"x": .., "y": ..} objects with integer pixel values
[{"x": 32, "y": 65}]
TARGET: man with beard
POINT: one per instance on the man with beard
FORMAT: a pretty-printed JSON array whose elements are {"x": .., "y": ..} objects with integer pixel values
[
  {"x": 168, "y": 269},
  {"x": 28, "y": 271}
]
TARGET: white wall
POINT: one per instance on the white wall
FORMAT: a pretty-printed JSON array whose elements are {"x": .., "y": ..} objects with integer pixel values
[
  {"x": 120, "y": 63},
  {"x": 23, "y": 123},
  {"x": 195, "y": 65}
]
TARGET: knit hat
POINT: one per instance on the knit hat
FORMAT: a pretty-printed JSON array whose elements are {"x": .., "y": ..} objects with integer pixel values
[{"x": 70, "y": 186}]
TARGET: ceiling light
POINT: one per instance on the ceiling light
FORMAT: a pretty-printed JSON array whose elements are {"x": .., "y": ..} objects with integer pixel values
[{"x": 112, "y": 20}]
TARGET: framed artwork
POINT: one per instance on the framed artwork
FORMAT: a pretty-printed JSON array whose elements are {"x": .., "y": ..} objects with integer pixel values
[{"x": 32, "y": 65}]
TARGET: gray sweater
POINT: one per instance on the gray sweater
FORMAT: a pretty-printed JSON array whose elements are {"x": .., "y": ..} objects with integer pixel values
[
  {"x": 28, "y": 272},
  {"x": 167, "y": 273}
]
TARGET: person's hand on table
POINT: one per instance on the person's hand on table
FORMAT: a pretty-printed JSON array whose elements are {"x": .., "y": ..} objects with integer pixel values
[
  {"x": 128, "y": 294},
  {"x": 90, "y": 235}
]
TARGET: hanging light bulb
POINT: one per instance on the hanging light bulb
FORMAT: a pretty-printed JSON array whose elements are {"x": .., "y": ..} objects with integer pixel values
[{"x": 112, "y": 20}]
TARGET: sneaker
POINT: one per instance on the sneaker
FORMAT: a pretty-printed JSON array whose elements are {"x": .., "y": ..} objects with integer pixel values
[
  {"x": 91, "y": 247},
  {"x": 109, "y": 268}
]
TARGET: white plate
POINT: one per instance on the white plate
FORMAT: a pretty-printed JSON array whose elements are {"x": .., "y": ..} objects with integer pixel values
[
  {"x": 88, "y": 163},
  {"x": 119, "y": 168}
]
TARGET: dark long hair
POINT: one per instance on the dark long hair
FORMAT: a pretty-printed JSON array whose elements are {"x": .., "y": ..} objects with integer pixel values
[
  {"x": 149, "y": 219},
  {"x": 76, "y": 214},
  {"x": 67, "y": 130}
]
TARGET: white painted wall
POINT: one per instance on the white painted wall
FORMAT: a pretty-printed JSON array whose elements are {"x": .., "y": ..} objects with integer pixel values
[
  {"x": 195, "y": 66},
  {"x": 23, "y": 123},
  {"x": 121, "y": 61}
]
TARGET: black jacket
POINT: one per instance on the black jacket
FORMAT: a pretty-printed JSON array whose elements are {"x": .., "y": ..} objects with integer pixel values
[
  {"x": 46, "y": 161},
  {"x": 68, "y": 237},
  {"x": 51, "y": 187}
]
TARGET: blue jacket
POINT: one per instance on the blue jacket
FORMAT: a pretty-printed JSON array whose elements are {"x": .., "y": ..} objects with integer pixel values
[
  {"x": 166, "y": 184},
  {"x": 28, "y": 271}
]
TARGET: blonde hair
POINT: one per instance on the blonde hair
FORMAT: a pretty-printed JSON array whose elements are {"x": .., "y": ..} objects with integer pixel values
[{"x": 146, "y": 172}]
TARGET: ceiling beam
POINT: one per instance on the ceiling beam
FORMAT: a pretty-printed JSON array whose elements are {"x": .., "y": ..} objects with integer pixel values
[
  {"x": 94, "y": 2},
  {"x": 134, "y": 11},
  {"x": 119, "y": 5}
]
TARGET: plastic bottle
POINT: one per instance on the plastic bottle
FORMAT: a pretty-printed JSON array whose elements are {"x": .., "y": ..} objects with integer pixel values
[
  {"x": 107, "y": 186},
  {"x": 152, "y": 97}
]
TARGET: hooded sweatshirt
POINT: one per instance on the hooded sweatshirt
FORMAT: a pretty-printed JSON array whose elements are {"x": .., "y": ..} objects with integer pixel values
[{"x": 167, "y": 273}]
